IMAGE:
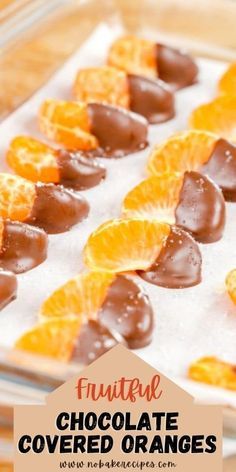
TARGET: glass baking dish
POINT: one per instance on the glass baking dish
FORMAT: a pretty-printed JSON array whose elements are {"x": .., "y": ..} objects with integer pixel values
[{"x": 36, "y": 37}]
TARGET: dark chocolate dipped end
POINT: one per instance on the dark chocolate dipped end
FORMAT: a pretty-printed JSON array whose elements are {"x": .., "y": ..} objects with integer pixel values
[
  {"x": 178, "y": 264},
  {"x": 221, "y": 167},
  {"x": 78, "y": 171},
  {"x": 151, "y": 99},
  {"x": 119, "y": 132},
  {"x": 23, "y": 247},
  {"x": 56, "y": 209},
  {"x": 127, "y": 311},
  {"x": 93, "y": 341},
  {"x": 175, "y": 67},
  {"x": 8, "y": 288},
  {"x": 201, "y": 208}
]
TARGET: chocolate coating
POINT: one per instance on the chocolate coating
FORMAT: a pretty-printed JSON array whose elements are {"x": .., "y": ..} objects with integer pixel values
[
  {"x": 201, "y": 208},
  {"x": 93, "y": 341},
  {"x": 178, "y": 264},
  {"x": 8, "y": 288},
  {"x": 56, "y": 209},
  {"x": 79, "y": 172},
  {"x": 23, "y": 247},
  {"x": 175, "y": 67},
  {"x": 119, "y": 132},
  {"x": 221, "y": 167},
  {"x": 151, "y": 98},
  {"x": 127, "y": 310}
]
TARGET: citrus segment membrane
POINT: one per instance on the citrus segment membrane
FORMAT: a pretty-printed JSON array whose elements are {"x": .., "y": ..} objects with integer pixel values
[
  {"x": 215, "y": 372},
  {"x": 17, "y": 197},
  {"x": 125, "y": 244}
]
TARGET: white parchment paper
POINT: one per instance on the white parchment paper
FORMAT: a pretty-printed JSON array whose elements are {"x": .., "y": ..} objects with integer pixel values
[{"x": 190, "y": 323}]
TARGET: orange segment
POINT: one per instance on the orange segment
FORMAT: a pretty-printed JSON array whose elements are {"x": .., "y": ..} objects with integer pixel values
[
  {"x": 213, "y": 371},
  {"x": 1, "y": 231},
  {"x": 134, "y": 55},
  {"x": 155, "y": 197},
  {"x": 16, "y": 197},
  {"x": 33, "y": 160},
  {"x": 217, "y": 116},
  {"x": 227, "y": 83},
  {"x": 123, "y": 245},
  {"x": 67, "y": 123},
  {"x": 230, "y": 283},
  {"x": 81, "y": 296},
  {"x": 54, "y": 338},
  {"x": 183, "y": 151},
  {"x": 102, "y": 84}
]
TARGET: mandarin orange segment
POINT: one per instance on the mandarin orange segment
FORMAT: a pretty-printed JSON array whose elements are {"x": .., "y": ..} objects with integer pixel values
[
  {"x": 230, "y": 283},
  {"x": 125, "y": 244},
  {"x": 155, "y": 197},
  {"x": 183, "y": 151},
  {"x": 17, "y": 197},
  {"x": 215, "y": 372},
  {"x": 134, "y": 55},
  {"x": 81, "y": 296},
  {"x": 217, "y": 116},
  {"x": 1, "y": 231},
  {"x": 33, "y": 160},
  {"x": 227, "y": 83},
  {"x": 55, "y": 338},
  {"x": 67, "y": 123},
  {"x": 102, "y": 84}
]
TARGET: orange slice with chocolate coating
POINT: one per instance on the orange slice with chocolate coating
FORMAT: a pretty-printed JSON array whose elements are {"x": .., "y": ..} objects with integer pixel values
[
  {"x": 87, "y": 127},
  {"x": 55, "y": 338},
  {"x": 227, "y": 83},
  {"x": 143, "y": 57},
  {"x": 102, "y": 84},
  {"x": 217, "y": 116},
  {"x": 213, "y": 371},
  {"x": 67, "y": 123},
  {"x": 150, "y": 98},
  {"x": 125, "y": 244},
  {"x": 48, "y": 206},
  {"x": 200, "y": 151},
  {"x": 37, "y": 161},
  {"x": 112, "y": 308},
  {"x": 81, "y": 296},
  {"x": 190, "y": 200}
]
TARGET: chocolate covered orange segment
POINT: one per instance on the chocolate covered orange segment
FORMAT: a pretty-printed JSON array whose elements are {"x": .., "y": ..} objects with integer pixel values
[
  {"x": 144, "y": 57},
  {"x": 148, "y": 97},
  {"x": 187, "y": 150},
  {"x": 48, "y": 206},
  {"x": 102, "y": 84},
  {"x": 125, "y": 244},
  {"x": 134, "y": 55},
  {"x": 217, "y": 116},
  {"x": 67, "y": 123},
  {"x": 191, "y": 201},
  {"x": 213, "y": 371},
  {"x": 81, "y": 296},
  {"x": 227, "y": 83},
  {"x": 36, "y": 161},
  {"x": 102, "y": 130},
  {"x": 230, "y": 283},
  {"x": 201, "y": 151},
  {"x": 55, "y": 338}
]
